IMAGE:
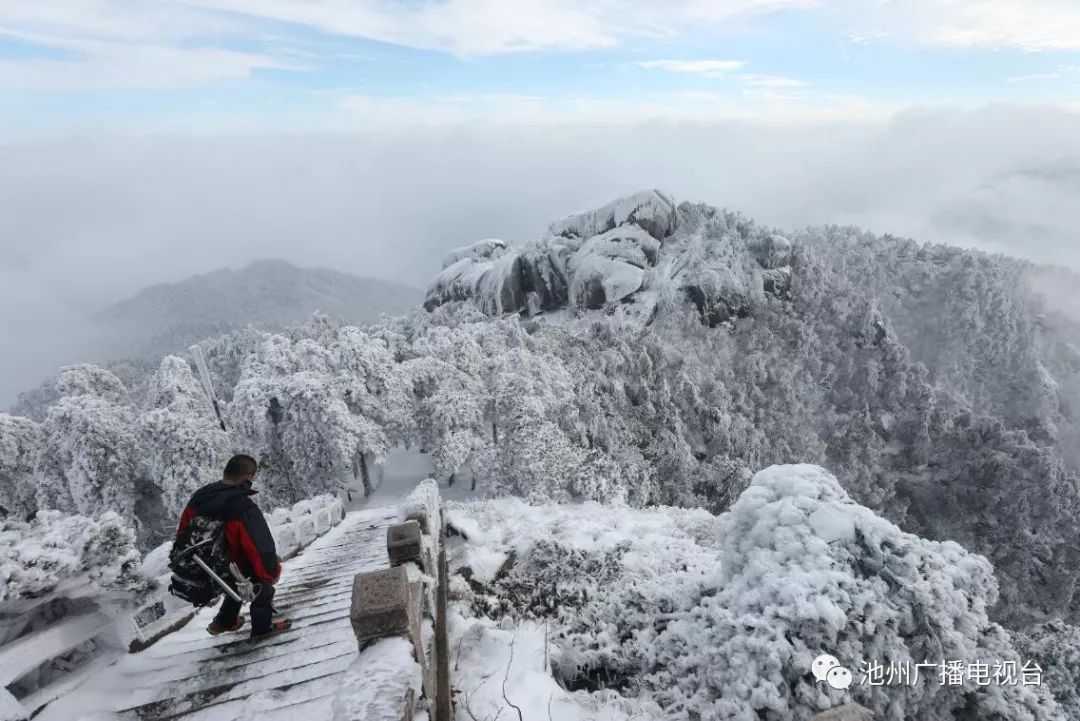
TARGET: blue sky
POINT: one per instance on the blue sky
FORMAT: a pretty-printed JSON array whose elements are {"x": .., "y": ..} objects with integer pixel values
[{"x": 303, "y": 65}]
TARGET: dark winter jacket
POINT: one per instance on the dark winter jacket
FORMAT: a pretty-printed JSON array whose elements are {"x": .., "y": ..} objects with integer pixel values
[{"x": 247, "y": 537}]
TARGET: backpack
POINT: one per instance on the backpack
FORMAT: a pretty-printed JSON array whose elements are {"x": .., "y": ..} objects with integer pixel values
[{"x": 203, "y": 537}]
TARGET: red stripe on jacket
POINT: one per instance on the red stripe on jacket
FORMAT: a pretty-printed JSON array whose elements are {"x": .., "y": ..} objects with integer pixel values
[
  {"x": 242, "y": 549},
  {"x": 185, "y": 519},
  {"x": 239, "y": 545}
]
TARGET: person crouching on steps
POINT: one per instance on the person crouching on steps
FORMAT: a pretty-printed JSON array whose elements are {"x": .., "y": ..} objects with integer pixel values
[{"x": 248, "y": 542}]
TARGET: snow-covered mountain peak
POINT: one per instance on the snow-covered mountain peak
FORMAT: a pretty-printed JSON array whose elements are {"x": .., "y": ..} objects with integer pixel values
[{"x": 632, "y": 250}]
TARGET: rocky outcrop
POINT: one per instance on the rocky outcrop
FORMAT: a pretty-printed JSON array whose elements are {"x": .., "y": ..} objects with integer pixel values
[
  {"x": 478, "y": 251},
  {"x": 716, "y": 306},
  {"x": 651, "y": 210},
  {"x": 771, "y": 251},
  {"x": 596, "y": 259}
]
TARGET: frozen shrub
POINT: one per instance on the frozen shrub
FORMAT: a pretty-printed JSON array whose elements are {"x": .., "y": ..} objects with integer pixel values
[
  {"x": 55, "y": 548},
  {"x": 721, "y": 619}
]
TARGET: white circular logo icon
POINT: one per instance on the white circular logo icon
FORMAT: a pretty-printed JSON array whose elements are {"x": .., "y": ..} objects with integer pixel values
[
  {"x": 822, "y": 665},
  {"x": 839, "y": 678}
]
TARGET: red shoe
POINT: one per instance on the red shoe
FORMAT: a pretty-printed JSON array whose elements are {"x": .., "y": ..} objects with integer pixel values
[
  {"x": 275, "y": 627},
  {"x": 215, "y": 628}
]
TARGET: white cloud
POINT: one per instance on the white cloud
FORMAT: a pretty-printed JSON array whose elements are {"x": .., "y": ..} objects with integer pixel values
[
  {"x": 771, "y": 81},
  {"x": 391, "y": 204},
  {"x": 485, "y": 27},
  {"x": 169, "y": 43},
  {"x": 865, "y": 37},
  {"x": 1033, "y": 77},
  {"x": 463, "y": 27},
  {"x": 766, "y": 105},
  {"x": 1030, "y": 25},
  {"x": 120, "y": 44},
  {"x": 1023, "y": 24},
  {"x": 135, "y": 67},
  {"x": 704, "y": 68}
]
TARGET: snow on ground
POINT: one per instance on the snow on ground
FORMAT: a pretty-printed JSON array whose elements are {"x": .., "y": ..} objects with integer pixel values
[
  {"x": 376, "y": 682},
  {"x": 656, "y": 545},
  {"x": 400, "y": 472},
  {"x": 496, "y": 527},
  {"x": 394, "y": 478},
  {"x": 496, "y": 668},
  {"x": 718, "y": 618}
]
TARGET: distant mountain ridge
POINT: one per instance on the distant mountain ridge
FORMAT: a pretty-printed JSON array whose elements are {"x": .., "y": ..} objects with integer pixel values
[
  {"x": 132, "y": 336},
  {"x": 268, "y": 294}
]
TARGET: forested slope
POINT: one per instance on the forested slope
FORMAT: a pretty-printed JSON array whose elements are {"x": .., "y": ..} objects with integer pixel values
[{"x": 646, "y": 352}]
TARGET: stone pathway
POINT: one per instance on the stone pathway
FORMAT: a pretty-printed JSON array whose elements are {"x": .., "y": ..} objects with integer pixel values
[{"x": 194, "y": 676}]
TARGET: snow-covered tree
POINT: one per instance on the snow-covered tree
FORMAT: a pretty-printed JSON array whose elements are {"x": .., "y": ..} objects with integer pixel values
[
  {"x": 320, "y": 436},
  {"x": 21, "y": 442},
  {"x": 292, "y": 408},
  {"x": 86, "y": 379},
  {"x": 378, "y": 392},
  {"x": 93, "y": 460},
  {"x": 185, "y": 446},
  {"x": 452, "y": 401}
]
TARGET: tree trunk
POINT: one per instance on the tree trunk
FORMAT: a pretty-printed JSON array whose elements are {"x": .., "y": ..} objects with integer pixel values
[{"x": 364, "y": 476}]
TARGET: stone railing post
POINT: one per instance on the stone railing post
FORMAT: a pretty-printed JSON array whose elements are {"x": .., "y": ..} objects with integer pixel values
[
  {"x": 444, "y": 710},
  {"x": 391, "y": 601}
]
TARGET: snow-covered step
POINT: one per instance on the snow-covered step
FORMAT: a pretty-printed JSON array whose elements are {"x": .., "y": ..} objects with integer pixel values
[
  {"x": 179, "y": 701},
  {"x": 295, "y": 674},
  {"x": 192, "y": 665}
]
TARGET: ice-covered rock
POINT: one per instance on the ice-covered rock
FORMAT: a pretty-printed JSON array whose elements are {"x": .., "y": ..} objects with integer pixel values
[
  {"x": 500, "y": 288},
  {"x": 718, "y": 293},
  {"x": 543, "y": 266},
  {"x": 651, "y": 210},
  {"x": 611, "y": 266},
  {"x": 458, "y": 281},
  {"x": 422, "y": 506},
  {"x": 594, "y": 259},
  {"x": 502, "y": 282},
  {"x": 772, "y": 251},
  {"x": 598, "y": 281},
  {"x": 776, "y": 282},
  {"x": 480, "y": 250},
  {"x": 627, "y": 243}
]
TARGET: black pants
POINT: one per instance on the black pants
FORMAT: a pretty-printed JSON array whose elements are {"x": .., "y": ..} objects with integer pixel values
[{"x": 261, "y": 609}]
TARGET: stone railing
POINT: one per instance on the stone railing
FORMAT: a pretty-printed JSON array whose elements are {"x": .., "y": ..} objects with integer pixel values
[{"x": 406, "y": 600}]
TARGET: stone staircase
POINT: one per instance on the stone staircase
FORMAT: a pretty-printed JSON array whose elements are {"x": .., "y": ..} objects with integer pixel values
[{"x": 295, "y": 675}]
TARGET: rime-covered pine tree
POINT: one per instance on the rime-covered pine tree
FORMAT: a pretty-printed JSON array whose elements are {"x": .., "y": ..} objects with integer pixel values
[{"x": 21, "y": 444}]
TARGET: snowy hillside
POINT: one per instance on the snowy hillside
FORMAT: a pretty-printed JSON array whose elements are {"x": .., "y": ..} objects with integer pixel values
[
  {"x": 941, "y": 385},
  {"x": 655, "y": 354}
]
